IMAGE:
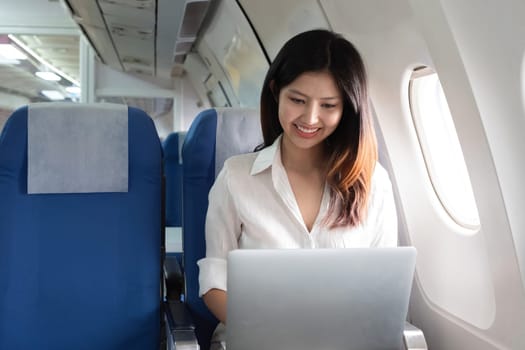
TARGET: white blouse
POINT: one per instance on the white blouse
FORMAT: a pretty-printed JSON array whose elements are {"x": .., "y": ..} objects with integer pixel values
[{"x": 252, "y": 206}]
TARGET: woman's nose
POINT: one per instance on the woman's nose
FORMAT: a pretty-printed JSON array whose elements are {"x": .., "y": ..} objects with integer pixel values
[{"x": 311, "y": 115}]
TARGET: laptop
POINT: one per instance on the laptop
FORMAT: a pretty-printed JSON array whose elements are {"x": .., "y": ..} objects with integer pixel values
[{"x": 318, "y": 299}]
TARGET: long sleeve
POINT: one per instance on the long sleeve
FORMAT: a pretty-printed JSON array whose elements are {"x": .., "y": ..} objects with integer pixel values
[{"x": 223, "y": 228}]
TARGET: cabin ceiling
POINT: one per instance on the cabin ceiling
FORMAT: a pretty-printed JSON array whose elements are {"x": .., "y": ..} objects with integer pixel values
[
  {"x": 141, "y": 37},
  {"x": 61, "y": 51},
  {"x": 149, "y": 37}
]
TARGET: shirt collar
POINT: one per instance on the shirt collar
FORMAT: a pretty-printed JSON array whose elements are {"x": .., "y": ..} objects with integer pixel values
[{"x": 266, "y": 157}]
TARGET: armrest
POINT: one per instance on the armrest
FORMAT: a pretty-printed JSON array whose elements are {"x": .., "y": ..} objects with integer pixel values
[
  {"x": 181, "y": 329},
  {"x": 413, "y": 338},
  {"x": 173, "y": 277}
]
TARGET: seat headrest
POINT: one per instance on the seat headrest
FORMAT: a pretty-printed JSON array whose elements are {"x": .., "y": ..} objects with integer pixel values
[
  {"x": 77, "y": 148},
  {"x": 238, "y": 131}
]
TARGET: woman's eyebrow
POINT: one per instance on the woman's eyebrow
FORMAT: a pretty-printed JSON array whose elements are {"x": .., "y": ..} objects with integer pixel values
[{"x": 322, "y": 98}]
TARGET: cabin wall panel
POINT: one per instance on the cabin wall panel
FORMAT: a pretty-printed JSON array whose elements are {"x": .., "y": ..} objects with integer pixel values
[
  {"x": 394, "y": 36},
  {"x": 523, "y": 82},
  {"x": 466, "y": 283},
  {"x": 492, "y": 56},
  {"x": 489, "y": 65}
]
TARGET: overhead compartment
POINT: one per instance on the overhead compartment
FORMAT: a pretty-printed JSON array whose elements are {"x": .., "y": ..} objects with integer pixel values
[
  {"x": 145, "y": 37},
  {"x": 89, "y": 18},
  {"x": 235, "y": 59}
]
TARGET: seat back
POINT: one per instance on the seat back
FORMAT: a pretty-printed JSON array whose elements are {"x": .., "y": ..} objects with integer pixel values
[
  {"x": 214, "y": 135},
  {"x": 80, "y": 263},
  {"x": 172, "y": 159},
  {"x": 172, "y": 148}
]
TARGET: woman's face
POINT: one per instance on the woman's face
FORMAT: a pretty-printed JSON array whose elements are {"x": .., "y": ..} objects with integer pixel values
[{"x": 310, "y": 109}]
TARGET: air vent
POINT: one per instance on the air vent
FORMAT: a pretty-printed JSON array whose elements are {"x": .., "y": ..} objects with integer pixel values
[
  {"x": 138, "y": 4},
  {"x": 136, "y": 60},
  {"x": 141, "y": 33},
  {"x": 138, "y": 70},
  {"x": 120, "y": 31}
]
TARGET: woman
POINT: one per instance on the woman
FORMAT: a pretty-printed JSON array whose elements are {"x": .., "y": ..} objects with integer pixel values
[{"x": 315, "y": 182}]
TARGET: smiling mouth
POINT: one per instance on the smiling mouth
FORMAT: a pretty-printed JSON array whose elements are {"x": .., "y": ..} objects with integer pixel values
[{"x": 306, "y": 130}]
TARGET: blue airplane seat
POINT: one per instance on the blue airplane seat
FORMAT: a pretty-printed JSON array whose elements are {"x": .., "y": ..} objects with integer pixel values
[
  {"x": 172, "y": 147},
  {"x": 80, "y": 228},
  {"x": 214, "y": 135}
]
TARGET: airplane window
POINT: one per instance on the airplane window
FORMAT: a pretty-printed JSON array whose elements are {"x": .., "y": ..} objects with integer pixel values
[{"x": 441, "y": 148}]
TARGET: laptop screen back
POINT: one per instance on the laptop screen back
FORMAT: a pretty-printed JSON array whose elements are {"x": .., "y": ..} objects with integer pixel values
[{"x": 322, "y": 299}]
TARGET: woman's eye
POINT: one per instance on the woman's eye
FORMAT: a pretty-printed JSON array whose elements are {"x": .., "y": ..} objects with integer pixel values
[
  {"x": 328, "y": 105},
  {"x": 296, "y": 100}
]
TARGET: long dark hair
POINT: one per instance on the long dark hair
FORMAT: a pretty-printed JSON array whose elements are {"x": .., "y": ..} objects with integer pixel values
[{"x": 351, "y": 149}]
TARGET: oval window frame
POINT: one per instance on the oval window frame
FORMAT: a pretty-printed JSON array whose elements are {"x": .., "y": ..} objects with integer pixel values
[{"x": 473, "y": 224}]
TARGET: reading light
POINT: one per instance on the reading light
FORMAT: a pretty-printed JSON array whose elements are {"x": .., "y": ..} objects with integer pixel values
[
  {"x": 50, "y": 76},
  {"x": 74, "y": 90},
  {"x": 53, "y": 95},
  {"x": 9, "y": 52},
  {"x": 41, "y": 60}
]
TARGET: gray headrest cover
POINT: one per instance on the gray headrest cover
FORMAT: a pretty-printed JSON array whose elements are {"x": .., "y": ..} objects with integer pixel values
[
  {"x": 238, "y": 131},
  {"x": 77, "y": 148}
]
